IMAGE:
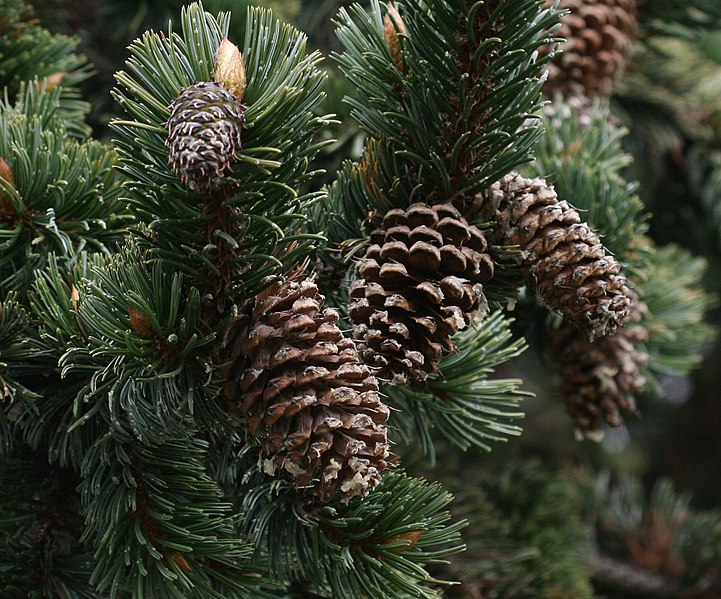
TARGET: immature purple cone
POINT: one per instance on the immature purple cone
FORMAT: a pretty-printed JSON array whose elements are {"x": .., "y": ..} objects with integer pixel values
[
  {"x": 204, "y": 134},
  {"x": 314, "y": 406},
  {"x": 419, "y": 283},
  {"x": 564, "y": 261}
]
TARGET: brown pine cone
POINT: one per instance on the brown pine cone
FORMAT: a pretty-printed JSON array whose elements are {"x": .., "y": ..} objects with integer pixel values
[
  {"x": 419, "y": 283},
  {"x": 599, "y": 36},
  {"x": 564, "y": 262},
  {"x": 600, "y": 379},
  {"x": 312, "y": 404}
]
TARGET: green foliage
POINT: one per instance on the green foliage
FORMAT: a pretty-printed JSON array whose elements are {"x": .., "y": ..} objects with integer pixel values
[
  {"x": 461, "y": 402},
  {"x": 65, "y": 197},
  {"x": 668, "y": 15},
  {"x": 151, "y": 14},
  {"x": 659, "y": 531},
  {"x": 164, "y": 518},
  {"x": 130, "y": 475},
  {"x": 705, "y": 181},
  {"x": 255, "y": 229},
  {"x": 526, "y": 537},
  {"x": 372, "y": 547},
  {"x": 468, "y": 85},
  {"x": 40, "y": 555},
  {"x": 28, "y": 52},
  {"x": 15, "y": 335},
  {"x": 582, "y": 157},
  {"x": 671, "y": 286}
]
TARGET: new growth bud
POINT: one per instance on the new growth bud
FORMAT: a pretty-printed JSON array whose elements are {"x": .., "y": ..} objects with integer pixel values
[
  {"x": 229, "y": 68},
  {"x": 7, "y": 210},
  {"x": 141, "y": 324},
  {"x": 392, "y": 26},
  {"x": 52, "y": 81}
]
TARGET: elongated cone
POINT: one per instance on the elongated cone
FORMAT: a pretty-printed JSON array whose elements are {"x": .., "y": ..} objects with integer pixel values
[
  {"x": 314, "y": 407},
  {"x": 601, "y": 379},
  {"x": 564, "y": 261},
  {"x": 420, "y": 282}
]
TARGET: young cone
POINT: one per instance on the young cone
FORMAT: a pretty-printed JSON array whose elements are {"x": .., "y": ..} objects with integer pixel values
[
  {"x": 599, "y": 36},
  {"x": 204, "y": 134},
  {"x": 564, "y": 262},
  {"x": 600, "y": 379},
  {"x": 419, "y": 283},
  {"x": 315, "y": 408}
]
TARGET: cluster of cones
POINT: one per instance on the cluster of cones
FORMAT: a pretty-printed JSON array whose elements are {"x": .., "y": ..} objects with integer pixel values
[{"x": 310, "y": 395}]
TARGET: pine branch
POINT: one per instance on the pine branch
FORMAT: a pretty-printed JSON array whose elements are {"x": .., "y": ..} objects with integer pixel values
[
  {"x": 663, "y": 544},
  {"x": 468, "y": 86},
  {"x": 378, "y": 546},
  {"x": 672, "y": 288},
  {"x": 19, "y": 391},
  {"x": 460, "y": 401},
  {"x": 525, "y": 536},
  {"x": 155, "y": 505},
  {"x": 64, "y": 196},
  {"x": 233, "y": 239},
  {"x": 39, "y": 552}
]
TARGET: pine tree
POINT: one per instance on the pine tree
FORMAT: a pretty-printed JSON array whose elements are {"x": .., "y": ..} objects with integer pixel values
[{"x": 221, "y": 368}]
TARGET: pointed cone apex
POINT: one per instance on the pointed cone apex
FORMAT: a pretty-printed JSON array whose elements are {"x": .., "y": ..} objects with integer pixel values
[
  {"x": 229, "y": 68},
  {"x": 7, "y": 210},
  {"x": 141, "y": 323},
  {"x": 392, "y": 26}
]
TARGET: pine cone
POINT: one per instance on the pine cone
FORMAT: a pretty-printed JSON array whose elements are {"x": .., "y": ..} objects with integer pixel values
[
  {"x": 564, "y": 262},
  {"x": 600, "y": 378},
  {"x": 419, "y": 283},
  {"x": 599, "y": 36},
  {"x": 315, "y": 407},
  {"x": 203, "y": 134}
]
